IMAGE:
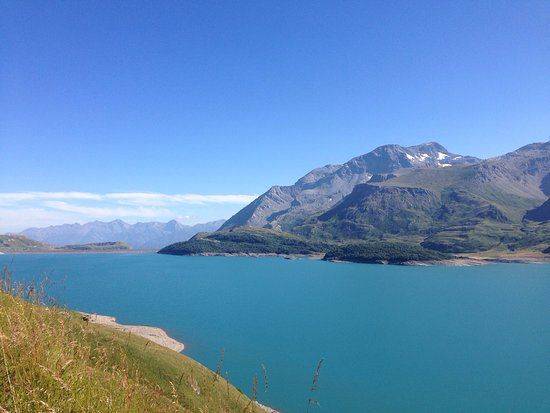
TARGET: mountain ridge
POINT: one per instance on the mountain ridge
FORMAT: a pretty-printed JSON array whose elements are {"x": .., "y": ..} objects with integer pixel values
[
  {"x": 141, "y": 235},
  {"x": 280, "y": 206},
  {"x": 470, "y": 202}
]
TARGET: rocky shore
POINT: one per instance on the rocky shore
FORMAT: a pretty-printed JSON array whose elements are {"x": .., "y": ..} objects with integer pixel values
[{"x": 154, "y": 334}]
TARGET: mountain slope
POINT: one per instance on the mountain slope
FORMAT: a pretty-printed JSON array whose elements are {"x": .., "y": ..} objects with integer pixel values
[
  {"x": 260, "y": 241},
  {"x": 142, "y": 235},
  {"x": 514, "y": 182},
  {"x": 540, "y": 213},
  {"x": 282, "y": 207},
  {"x": 54, "y": 361},
  {"x": 475, "y": 207}
]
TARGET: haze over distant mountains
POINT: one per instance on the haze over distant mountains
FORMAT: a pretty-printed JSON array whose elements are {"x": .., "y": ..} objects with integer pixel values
[{"x": 142, "y": 235}]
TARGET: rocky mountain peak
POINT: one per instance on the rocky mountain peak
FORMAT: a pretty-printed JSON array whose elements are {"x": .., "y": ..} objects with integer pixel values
[{"x": 323, "y": 187}]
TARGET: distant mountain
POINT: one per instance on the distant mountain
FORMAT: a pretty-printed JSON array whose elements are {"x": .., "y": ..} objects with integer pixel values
[
  {"x": 142, "y": 235},
  {"x": 282, "y": 207},
  {"x": 418, "y": 195}
]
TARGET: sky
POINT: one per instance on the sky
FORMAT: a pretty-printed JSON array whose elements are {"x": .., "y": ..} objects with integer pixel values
[{"x": 158, "y": 110}]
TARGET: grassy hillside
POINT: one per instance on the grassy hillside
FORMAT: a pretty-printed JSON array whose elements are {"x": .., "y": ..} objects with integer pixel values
[
  {"x": 487, "y": 235},
  {"x": 245, "y": 240},
  {"x": 383, "y": 252},
  {"x": 98, "y": 246},
  {"x": 15, "y": 243},
  {"x": 52, "y": 360},
  {"x": 260, "y": 240}
]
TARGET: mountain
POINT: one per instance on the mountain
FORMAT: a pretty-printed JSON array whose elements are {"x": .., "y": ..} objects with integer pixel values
[
  {"x": 456, "y": 209},
  {"x": 282, "y": 207},
  {"x": 420, "y": 195},
  {"x": 142, "y": 235}
]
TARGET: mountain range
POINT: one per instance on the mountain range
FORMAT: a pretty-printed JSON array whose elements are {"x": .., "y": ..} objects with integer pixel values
[
  {"x": 142, "y": 235},
  {"x": 422, "y": 195}
]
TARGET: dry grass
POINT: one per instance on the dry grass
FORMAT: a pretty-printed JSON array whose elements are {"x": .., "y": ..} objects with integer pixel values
[{"x": 53, "y": 361}]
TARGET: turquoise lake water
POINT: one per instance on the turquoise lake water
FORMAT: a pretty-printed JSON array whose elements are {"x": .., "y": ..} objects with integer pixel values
[{"x": 393, "y": 339}]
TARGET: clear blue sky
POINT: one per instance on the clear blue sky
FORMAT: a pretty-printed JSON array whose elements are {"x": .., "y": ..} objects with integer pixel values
[{"x": 233, "y": 97}]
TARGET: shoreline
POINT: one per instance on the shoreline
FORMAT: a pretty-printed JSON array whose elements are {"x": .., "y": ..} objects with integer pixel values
[
  {"x": 77, "y": 252},
  {"x": 470, "y": 261},
  {"x": 154, "y": 334},
  {"x": 252, "y": 255},
  {"x": 455, "y": 261}
]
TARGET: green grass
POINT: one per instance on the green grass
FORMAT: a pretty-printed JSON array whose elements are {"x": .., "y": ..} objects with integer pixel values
[{"x": 52, "y": 360}]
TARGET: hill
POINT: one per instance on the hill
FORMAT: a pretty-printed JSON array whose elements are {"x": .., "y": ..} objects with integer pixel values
[
  {"x": 53, "y": 360},
  {"x": 15, "y": 243},
  {"x": 20, "y": 243},
  {"x": 246, "y": 241},
  {"x": 97, "y": 247},
  {"x": 142, "y": 235},
  {"x": 262, "y": 241}
]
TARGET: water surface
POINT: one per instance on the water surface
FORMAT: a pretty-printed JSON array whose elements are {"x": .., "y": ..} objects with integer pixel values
[{"x": 415, "y": 339}]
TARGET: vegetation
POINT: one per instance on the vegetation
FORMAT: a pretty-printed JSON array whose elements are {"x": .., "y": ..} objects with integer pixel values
[
  {"x": 98, "y": 246},
  {"x": 246, "y": 241},
  {"x": 51, "y": 360},
  {"x": 383, "y": 252},
  {"x": 260, "y": 240},
  {"x": 486, "y": 235}
]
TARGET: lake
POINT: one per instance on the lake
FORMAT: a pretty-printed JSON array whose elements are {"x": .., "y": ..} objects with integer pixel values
[{"x": 393, "y": 338}]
